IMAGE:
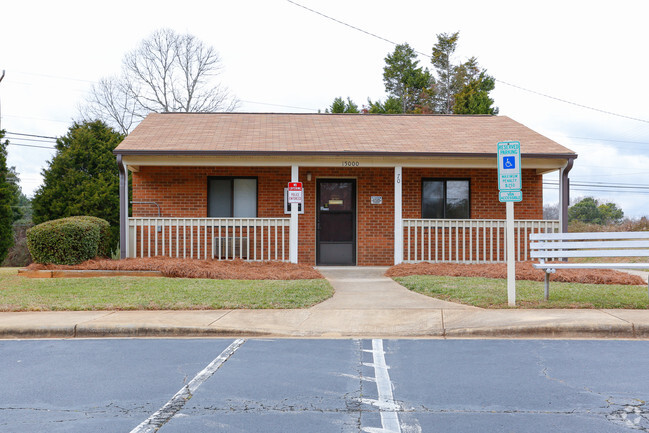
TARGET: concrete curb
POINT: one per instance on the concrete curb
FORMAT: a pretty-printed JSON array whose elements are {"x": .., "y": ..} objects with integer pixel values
[
  {"x": 627, "y": 331},
  {"x": 547, "y": 331},
  {"x": 17, "y": 332},
  {"x": 123, "y": 331}
]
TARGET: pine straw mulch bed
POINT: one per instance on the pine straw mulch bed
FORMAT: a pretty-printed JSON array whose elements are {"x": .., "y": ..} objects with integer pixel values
[
  {"x": 524, "y": 271},
  {"x": 194, "y": 268}
]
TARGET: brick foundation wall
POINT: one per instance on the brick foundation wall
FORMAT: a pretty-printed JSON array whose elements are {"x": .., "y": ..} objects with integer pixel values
[{"x": 182, "y": 192}]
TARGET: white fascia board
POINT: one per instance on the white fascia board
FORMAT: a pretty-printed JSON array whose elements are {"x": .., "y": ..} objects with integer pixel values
[{"x": 133, "y": 162}]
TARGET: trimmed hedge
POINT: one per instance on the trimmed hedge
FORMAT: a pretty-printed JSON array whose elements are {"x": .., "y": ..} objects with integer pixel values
[
  {"x": 105, "y": 235},
  {"x": 69, "y": 241}
]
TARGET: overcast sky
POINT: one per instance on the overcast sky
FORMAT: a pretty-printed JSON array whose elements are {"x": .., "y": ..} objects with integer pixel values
[{"x": 279, "y": 57}]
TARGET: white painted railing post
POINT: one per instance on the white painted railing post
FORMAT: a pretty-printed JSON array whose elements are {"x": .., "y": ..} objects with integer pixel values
[
  {"x": 398, "y": 215},
  {"x": 292, "y": 233}
]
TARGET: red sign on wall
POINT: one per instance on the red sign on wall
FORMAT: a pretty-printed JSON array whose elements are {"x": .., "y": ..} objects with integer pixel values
[{"x": 295, "y": 192}]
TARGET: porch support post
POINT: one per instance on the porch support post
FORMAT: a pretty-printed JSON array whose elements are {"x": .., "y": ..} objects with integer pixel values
[
  {"x": 564, "y": 196},
  {"x": 292, "y": 234},
  {"x": 123, "y": 208},
  {"x": 398, "y": 215}
]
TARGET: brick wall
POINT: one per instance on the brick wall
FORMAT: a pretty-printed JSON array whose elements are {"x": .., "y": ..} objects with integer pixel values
[{"x": 182, "y": 192}]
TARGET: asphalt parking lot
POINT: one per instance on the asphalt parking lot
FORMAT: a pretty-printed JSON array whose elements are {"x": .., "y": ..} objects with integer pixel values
[{"x": 346, "y": 385}]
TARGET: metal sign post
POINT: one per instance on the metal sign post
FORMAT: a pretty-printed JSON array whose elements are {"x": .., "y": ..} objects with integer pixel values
[
  {"x": 511, "y": 264},
  {"x": 509, "y": 185}
]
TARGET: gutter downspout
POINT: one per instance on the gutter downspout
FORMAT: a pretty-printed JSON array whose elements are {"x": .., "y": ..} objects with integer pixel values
[
  {"x": 123, "y": 208},
  {"x": 565, "y": 195}
]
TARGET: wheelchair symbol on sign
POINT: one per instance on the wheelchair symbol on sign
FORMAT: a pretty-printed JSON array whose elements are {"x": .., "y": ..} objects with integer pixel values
[{"x": 509, "y": 162}]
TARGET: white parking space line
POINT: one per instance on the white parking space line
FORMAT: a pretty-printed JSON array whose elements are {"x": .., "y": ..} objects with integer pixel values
[
  {"x": 166, "y": 412},
  {"x": 388, "y": 408}
]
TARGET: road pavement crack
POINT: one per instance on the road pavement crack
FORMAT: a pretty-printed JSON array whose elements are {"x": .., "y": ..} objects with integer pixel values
[
  {"x": 630, "y": 413},
  {"x": 545, "y": 372},
  {"x": 487, "y": 411}
]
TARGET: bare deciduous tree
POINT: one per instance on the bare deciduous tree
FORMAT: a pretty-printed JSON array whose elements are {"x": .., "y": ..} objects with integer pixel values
[
  {"x": 166, "y": 72},
  {"x": 110, "y": 100}
]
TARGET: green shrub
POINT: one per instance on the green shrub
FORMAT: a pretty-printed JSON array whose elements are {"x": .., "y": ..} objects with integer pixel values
[
  {"x": 105, "y": 235},
  {"x": 66, "y": 241}
]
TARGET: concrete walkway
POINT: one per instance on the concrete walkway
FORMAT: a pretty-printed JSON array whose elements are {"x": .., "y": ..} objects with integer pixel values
[
  {"x": 367, "y": 288},
  {"x": 366, "y": 305}
]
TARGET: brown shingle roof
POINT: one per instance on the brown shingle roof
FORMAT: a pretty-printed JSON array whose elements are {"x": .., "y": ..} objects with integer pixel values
[{"x": 231, "y": 133}]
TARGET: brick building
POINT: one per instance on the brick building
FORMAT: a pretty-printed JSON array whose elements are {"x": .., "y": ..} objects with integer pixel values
[{"x": 377, "y": 189}]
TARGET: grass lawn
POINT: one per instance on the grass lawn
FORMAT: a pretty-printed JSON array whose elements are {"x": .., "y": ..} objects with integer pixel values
[
  {"x": 142, "y": 293},
  {"x": 492, "y": 293}
]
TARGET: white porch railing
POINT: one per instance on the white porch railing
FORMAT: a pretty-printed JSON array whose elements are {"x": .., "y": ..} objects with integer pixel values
[
  {"x": 468, "y": 241},
  {"x": 254, "y": 239}
]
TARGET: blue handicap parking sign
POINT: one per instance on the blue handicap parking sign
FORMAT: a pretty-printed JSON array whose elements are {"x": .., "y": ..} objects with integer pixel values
[{"x": 509, "y": 162}]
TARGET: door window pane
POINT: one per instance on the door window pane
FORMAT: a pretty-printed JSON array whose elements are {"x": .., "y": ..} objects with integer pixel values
[{"x": 336, "y": 196}]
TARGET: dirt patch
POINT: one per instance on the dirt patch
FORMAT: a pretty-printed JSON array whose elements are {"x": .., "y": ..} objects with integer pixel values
[
  {"x": 194, "y": 268},
  {"x": 524, "y": 271}
]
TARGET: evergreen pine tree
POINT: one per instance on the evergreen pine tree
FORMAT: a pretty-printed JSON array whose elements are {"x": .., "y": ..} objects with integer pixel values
[
  {"x": 82, "y": 178},
  {"x": 6, "y": 200}
]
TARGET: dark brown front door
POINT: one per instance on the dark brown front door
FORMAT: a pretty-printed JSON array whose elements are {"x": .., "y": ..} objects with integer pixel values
[{"x": 336, "y": 222}]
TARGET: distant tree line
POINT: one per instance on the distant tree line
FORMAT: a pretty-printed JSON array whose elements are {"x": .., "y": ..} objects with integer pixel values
[{"x": 589, "y": 214}]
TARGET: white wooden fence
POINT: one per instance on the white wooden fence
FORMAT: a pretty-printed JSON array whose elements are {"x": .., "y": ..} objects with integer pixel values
[
  {"x": 258, "y": 239},
  {"x": 254, "y": 239},
  {"x": 468, "y": 241}
]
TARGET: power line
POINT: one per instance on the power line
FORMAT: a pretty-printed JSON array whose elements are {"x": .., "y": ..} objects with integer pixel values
[
  {"x": 606, "y": 183},
  {"x": 31, "y": 145},
  {"x": 565, "y": 101},
  {"x": 30, "y": 135},
  {"x": 595, "y": 190},
  {"x": 609, "y": 140},
  {"x": 616, "y": 174},
  {"x": 38, "y": 140},
  {"x": 349, "y": 25},
  {"x": 278, "y": 105},
  {"x": 603, "y": 185}
]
